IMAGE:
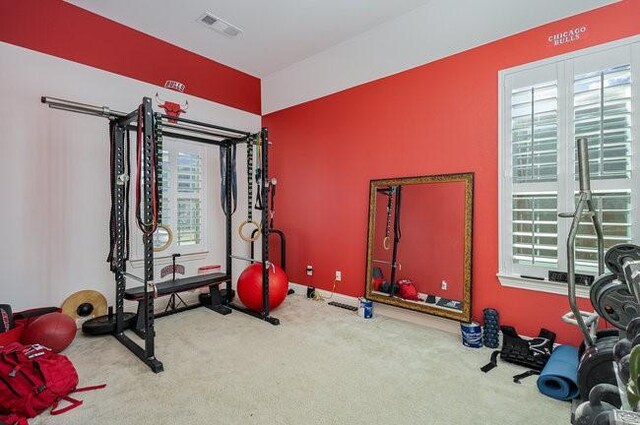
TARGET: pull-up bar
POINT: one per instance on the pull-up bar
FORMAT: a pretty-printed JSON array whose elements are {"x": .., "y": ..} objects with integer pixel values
[{"x": 195, "y": 130}]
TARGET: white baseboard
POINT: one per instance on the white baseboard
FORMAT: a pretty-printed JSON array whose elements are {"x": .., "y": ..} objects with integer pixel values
[{"x": 397, "y": 313}]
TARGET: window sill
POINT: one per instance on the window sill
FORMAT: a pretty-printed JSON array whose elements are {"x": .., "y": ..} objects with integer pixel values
[
  {"x": 165, "y": 260},
  {"x": 512, "y": 281}
]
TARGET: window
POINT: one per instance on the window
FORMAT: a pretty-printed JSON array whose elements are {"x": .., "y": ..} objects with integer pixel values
[
  {"x": 183, "y": 201},
  {"x": 544, "y": 107}
]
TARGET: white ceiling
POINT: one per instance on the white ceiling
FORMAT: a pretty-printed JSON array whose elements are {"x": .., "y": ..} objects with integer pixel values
[{"x": 277, "y": 33}]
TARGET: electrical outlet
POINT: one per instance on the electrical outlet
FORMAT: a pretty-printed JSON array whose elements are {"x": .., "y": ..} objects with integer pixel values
[
  {"x": 338, "y": 275},
  {"x": 444, "y": 285},
  {"x": 309, "y": 270}
]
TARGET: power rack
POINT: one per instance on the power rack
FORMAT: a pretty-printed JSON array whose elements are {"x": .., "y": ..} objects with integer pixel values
[{"x": 154, "y": 127}]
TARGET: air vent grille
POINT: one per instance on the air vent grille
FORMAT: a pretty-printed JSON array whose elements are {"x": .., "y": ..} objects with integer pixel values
[
  {"x": 208, "y": 20},
  {"x": 215, "y": 23}
]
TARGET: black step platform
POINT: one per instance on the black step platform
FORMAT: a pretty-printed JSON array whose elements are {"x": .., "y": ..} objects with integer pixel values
[{"x": 179, "y": 285}]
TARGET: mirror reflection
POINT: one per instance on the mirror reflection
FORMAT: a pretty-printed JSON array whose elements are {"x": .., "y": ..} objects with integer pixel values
[{"x": 420, "y": 244}]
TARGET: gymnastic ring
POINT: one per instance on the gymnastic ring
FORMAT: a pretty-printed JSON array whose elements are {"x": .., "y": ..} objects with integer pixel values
[
  {"x": 386, "y": 243},
  {"x": 247, "y": 238},
  {"x": 167, "y": 244}
]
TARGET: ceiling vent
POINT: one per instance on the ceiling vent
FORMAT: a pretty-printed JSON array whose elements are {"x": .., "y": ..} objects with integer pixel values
[{"x": 213, "y": 22}]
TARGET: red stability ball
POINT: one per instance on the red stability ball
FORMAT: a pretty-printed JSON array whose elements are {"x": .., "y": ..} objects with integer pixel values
[
  {"x": 53, "y": 330},
  {"x": 250, "y": 287}
]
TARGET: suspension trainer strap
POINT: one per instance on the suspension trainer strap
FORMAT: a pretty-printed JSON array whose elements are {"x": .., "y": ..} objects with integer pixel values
[
  {"x": 224, "y": 182},
  {"x": 250, "y": 180},
  {"x": 147, "y": 228},
  {"x": 386, "y": 242},
  {"x": 396, "y": 220},
  {"x": 112, "y": 188},
  {"x": 234, "y": 179},
  {"x": 258, "y": 174},
  {"x": 117, "y": 180},
  {"x": 252, "y": 236},
  {"x": 127, "y": 187}
]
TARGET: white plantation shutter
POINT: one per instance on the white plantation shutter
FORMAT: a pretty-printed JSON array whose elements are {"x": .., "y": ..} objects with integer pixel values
[
  {"x": 602, "y": 114},
  {"x": 534, "y": 132},
  {"x": 543, "y": 109},
  {"x": 189, "y": 206},
  {"x": 535, "y": 229},
  {"x": 534, "y": 160},
  {"x": 183, "y": 202}
]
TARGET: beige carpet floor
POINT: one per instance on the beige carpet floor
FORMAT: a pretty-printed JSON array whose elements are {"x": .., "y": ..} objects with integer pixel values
[{"x": 322, "y": 365}]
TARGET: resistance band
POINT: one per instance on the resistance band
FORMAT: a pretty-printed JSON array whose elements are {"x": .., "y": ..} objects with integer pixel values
[
  {"x": 112, "y": 218},
  {"x": 396, "y": 221},
  {"x": 147, "y": 228},
  {"x": 386, "y": 242},
  {"x": 124, "y": 179},
  {"x": 127, "y": 190},
  {"x": 252, "y": 236},
  {"x": 258, "y": 174},
  {"x": 228, "y": 209}
]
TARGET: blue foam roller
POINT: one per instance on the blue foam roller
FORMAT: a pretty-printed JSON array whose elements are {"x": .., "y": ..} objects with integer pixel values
[{"x": 559, "y": 378}]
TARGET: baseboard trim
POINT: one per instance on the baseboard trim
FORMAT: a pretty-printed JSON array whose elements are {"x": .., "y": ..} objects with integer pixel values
[{"x": 392, "y": 312}]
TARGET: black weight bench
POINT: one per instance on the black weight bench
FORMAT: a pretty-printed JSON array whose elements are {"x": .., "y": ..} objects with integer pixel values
[{"x": 213, "y": 301}]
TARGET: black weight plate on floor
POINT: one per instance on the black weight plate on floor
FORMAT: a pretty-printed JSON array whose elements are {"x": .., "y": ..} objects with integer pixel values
[
  {"x": 616, "y": 256},
  {"x": 102, "y": 325}
]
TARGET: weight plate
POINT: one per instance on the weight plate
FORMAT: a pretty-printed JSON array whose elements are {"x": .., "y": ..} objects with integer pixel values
[
  {"x": 616, "y": 305},
  {"x": 600, "y": 334},
  {"x": 618, "y": 254},
  {"x": 596, "y": 366},
  {"x": 633, "y": 329},
  {"x": 103, "y": 325},
  {"x": 597, "y": 285}
]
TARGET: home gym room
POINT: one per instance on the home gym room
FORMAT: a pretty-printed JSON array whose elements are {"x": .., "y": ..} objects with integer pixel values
[{"x": 320, "y": 212}]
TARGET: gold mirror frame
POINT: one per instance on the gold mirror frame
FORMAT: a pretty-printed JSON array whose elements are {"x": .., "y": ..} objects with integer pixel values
[{"x": 467, "y": 179}]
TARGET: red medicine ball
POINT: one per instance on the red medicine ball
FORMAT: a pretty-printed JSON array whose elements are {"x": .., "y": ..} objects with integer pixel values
[
  {"x": 53, "y": 330},
  {"x": 250, "y": 287}
]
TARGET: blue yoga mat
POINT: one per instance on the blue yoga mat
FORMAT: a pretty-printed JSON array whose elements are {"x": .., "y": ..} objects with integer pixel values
[{"x": 559, "y": 378}]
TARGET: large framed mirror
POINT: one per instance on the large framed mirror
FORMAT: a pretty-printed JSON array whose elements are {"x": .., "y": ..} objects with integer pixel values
[{"x": 419, "y": 244}]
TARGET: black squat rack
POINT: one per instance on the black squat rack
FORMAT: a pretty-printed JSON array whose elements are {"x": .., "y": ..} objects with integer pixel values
[{"x": 150, "y": 127}]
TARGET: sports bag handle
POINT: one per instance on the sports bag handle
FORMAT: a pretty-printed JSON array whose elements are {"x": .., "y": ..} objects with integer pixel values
[{"x": 74, "y": 402}]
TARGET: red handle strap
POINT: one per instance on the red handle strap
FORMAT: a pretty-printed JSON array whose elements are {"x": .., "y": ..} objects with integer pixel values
[
  {"x": 73, "y": 404},
  {"x": 94, "y": 387}
]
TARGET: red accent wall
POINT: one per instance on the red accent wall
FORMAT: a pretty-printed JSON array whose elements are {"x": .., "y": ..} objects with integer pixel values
[
  {"x": 64, "y": 30},
  {"x": 434, "y": 119}
]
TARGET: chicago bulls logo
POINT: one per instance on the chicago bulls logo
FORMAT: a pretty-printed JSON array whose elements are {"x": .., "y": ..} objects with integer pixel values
[{"x": 171, "y": 108}]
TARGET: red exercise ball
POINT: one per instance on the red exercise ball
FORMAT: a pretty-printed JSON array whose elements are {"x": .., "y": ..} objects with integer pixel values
[
  {"x": 250, "y": 287},
  {"x": 53, "y": 330}
]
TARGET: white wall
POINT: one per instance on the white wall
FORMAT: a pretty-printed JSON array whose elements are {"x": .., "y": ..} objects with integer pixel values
[
  {"x": 434, "y": 31},
  {"x": 54, "y": 177}
]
